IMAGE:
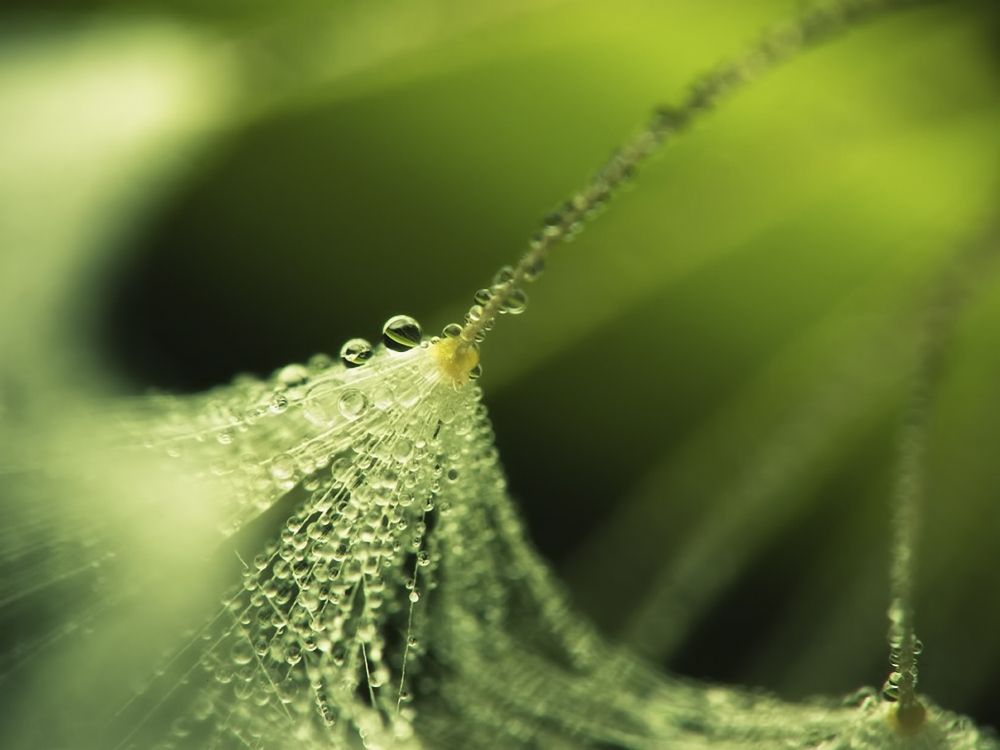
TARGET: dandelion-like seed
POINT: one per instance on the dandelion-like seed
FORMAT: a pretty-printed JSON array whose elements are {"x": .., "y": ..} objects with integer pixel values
[{"x": 400, "y": 605}]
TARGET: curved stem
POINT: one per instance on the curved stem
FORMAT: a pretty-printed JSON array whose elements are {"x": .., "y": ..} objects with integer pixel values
[{"x": 813, "y": 26}]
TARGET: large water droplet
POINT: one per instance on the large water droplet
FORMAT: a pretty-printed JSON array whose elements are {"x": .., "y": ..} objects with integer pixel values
[
  {"x": 401, "y": 333},
  {"x": 534, "y": 269},
  {"x": 293, "y": 375},
  {"x": 503, "y": 276},
  {"x": 355, "y": 352},
  {"x": 282, "y": 467},
  {"x": 352, "y": 404},
  {"x": 515, "y": 303}
]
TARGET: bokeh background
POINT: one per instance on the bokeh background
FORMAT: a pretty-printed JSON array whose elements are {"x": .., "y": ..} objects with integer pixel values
[{"x": 698, "y": 412}]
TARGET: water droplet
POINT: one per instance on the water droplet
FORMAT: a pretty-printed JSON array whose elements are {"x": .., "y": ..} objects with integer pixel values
[
  {"x": 352, "y": 404},
  {"x": 279, "y": 403},
  {"x": 414, "y": 597},
  {"x": 482, "y": 296},
  {"x": 503, "y": 276},
  {"x": 402, "y": 450},
  {"x": 293, "y": 375},
  {"x": 515, "y": 303},
  {"x": 401, "y": 333},
  {"x": 355, "y": 352},
  {"x": 534, "y": 269},
  {"x": 314, "y": 407},
  {"x": 451, "y": 331},
  {"x": 552, "y": 224},
  {"x": 282, "y": 467},
  {"x": 242, "y": 652}
]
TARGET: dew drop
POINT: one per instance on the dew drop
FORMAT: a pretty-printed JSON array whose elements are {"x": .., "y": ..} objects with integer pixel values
[
  {"x": 516, "y": 302},
  {"x": 534, "y": 269},
  {"x": 402, "y": 450},
  {"x": 282, "y": 468},
  {"x": 319, "y": 362},
  {"x": 355, "y": 352},
  {"x": 483, "y": 296},
  {"x": 352, "y": 404},
  {"x": 315, "y": 411},
  {"x": 401, "y": 333},
  {"x": 293, "y": 375},
  {"x": 242, "y": 652},
  {"x": 278, "y": 404},
  {"x": 552, "y": 224},
  {"x": 502, "y": 277},
  {"x": 451, "y": 331},
  {"x": 414, "y": 597}
]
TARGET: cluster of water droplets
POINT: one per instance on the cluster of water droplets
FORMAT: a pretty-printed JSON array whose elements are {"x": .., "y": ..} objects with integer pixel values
[
  {"x": 258, "y": 439},
  {"x": 904, "y": 648},
  {"x": 400, "y": 603},
  {"x": 373, "y": 448},
  {"x": 815, "y": 24}
]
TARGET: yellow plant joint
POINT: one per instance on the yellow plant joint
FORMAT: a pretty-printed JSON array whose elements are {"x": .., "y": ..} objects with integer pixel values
[{"x": 455, "y": 358}]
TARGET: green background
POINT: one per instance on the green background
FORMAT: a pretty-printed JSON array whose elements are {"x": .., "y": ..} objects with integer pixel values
[{"x": 698, "y": 411}]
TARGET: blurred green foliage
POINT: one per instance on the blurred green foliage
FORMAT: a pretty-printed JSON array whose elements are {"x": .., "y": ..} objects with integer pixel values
[{"x": 706, "y": 385}]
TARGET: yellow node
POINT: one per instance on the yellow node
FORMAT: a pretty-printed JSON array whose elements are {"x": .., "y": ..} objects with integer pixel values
[
  {"x": 907, "y": 719},
  {"x": 455, "y": 358}
]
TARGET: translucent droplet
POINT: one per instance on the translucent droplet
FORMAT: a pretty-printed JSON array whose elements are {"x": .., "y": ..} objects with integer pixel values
[
  {"x": 315, "y": 411},
  {"x": 482, "y": 296},
  {"x": 401, "y": 333},
  {"x": 402, "y": 450},
  {"x": 476, "y": 372},
  {"x": 319, "y": 362},
  {"x": 552, "y": 224},
  {"x": 451, "y": 331},
  {"x": 414, "y": 597},
  {"x": 279, "y": 403},
  {"x": 355, "y": 352},
  {"x": 503, "y": 276},
  {"x": 242, "y": 652},
  {"x": 534, "y": 269},
  {"x": 282, "y": 467},
  {"x": 293, "y": 375},
  {"x": 515, "y": 303},
  {"x": 352, "y": 404}
]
